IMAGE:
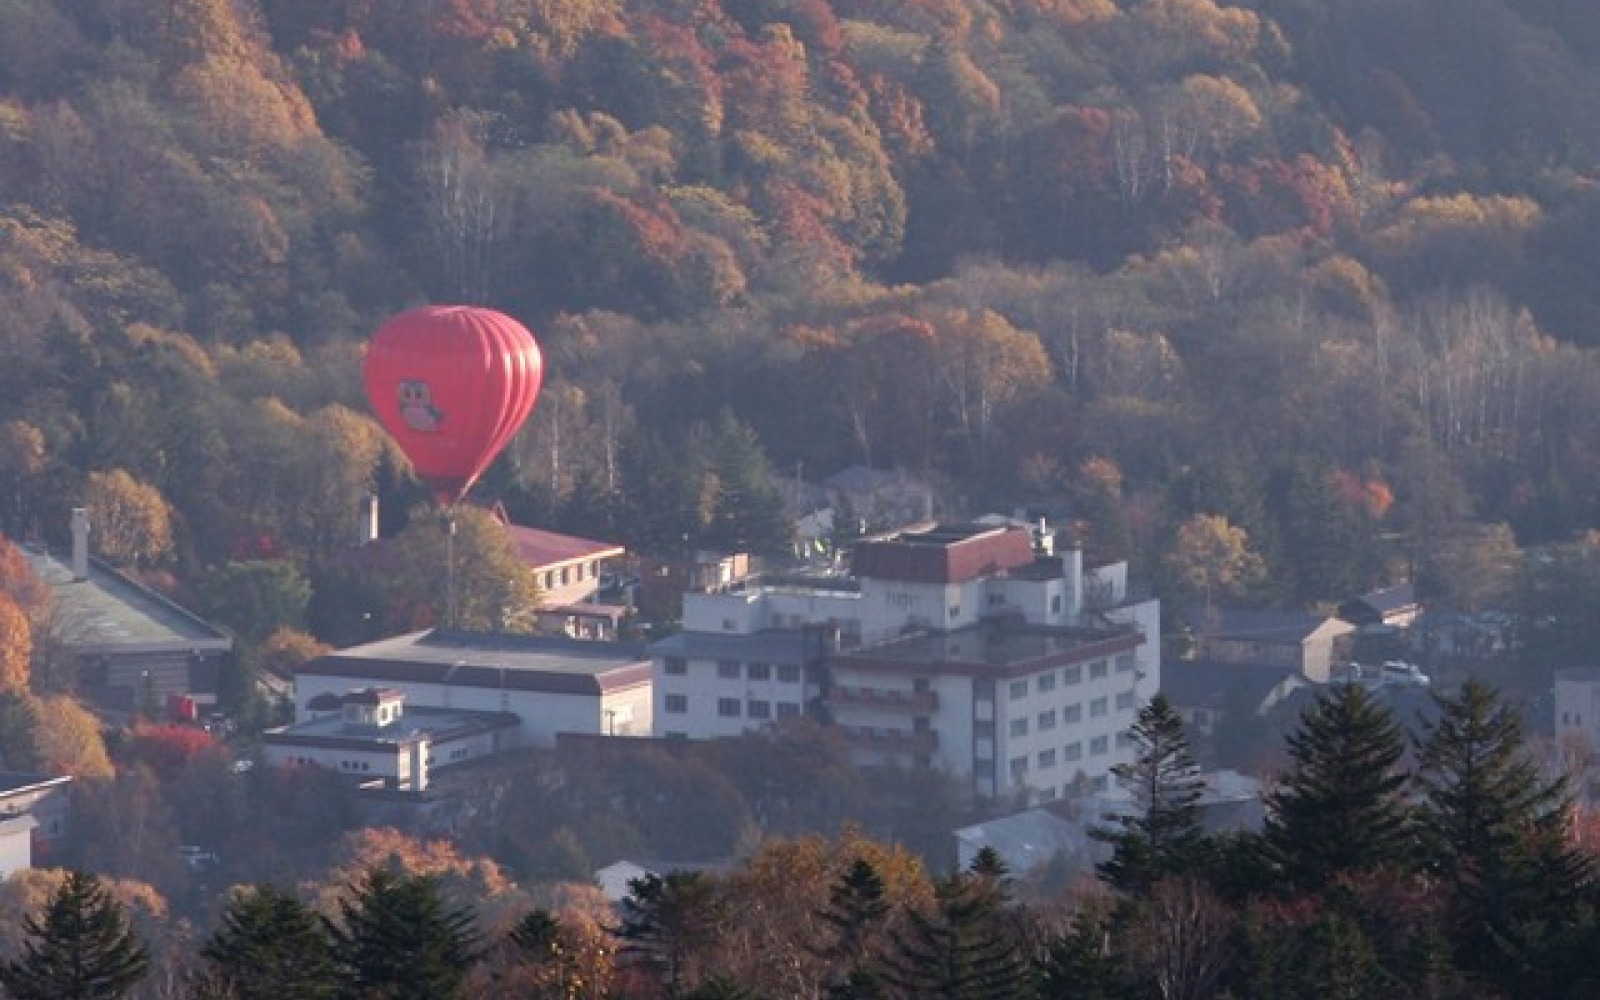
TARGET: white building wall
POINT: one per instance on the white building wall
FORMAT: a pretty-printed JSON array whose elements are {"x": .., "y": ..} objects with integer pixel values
[
  {"x": 742, "y": 612},
  {"x": 1577, "y": 707},
  {"x": 392, "y": 764},
  {"x": 628, "y": 711},
  {"x": 1076, "y": 716},
  {"x": 543, "y": 713},
  {"x": 701, "y": 713},
  {"x": 747, "y": 611},
  {"x": 1094, "y": 703},
  {"x": 16, "y": 846},
  {"x": 888, "y": 606}
]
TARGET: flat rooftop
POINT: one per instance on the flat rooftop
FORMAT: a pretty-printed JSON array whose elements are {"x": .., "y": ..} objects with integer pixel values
[
  {"x": 16, "y": 781},
  {"x": 439, "y": 725},
  {"x": 109, "y": 612},
  {"x": 491, "y": 660},
  {"x": 771, "y": 645},
  {"x": 994, "y": 649}
]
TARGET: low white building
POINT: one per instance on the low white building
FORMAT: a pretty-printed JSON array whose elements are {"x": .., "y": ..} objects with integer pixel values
[
  {"x": 552, "y": 685},
  {"x": 372, "y": 738},
  {"x": 33, "y": 817},
  {"x": 974, "y": 649}
]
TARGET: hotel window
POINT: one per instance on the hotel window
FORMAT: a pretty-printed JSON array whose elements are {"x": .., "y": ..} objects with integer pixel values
[
  {"x": 728, "y": 670},
  {"x": 1097, "y": 708},
  {"x": 1124, "y": 741},
  {"x": 1055, "y": 604},
  {"x": 1072, "y": 751},
  {"x": 728, "y": 708},
  {"x": 1047, "y": 682},
  {"x": 677, "y": 704},
  {"x": 1047, "y": 720},
  {"x": 1072, "y": 674},
  {"x": 1124, "y": 700},
  {"x": 760, "y": 671},
  {"x": 1097, "y": 670},
  {"x": 1019, "y": 690},
  {"x": 1019, "y": 727},
  {"x": 955, "y": 611},
  {"x": 1072, "y": 713},
  {"x": 1019, "y": 766},
  {"x": 1124, "y": 662},
  {"x": 757, "y": 709},
  {"x": 983, "y": 730},
  {"x": 788, "y": 673},
  {"x": 1101, "y": 783},
  {"x": 677, "y": 666},
  {"x": 788, "y": 710},
  {"x": 1047, "y": 758},
  {"x": 1099, "y": 745}
]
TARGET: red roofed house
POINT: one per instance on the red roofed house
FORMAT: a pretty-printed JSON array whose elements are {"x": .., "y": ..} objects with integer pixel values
[{"x": 568, "y": 572}]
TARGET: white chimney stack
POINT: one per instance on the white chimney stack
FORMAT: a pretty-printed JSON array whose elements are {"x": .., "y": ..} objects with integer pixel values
[
  {"x": 369, "y": 518},
  {"x": 80, "y": 543}
]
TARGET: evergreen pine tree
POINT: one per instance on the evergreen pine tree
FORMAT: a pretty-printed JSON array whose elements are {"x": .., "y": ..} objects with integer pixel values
[
  {"x": 544, "y": 946},
  {"x": 538, "y": 935},
  {"x": 856, "y": 911},
  {"x": 1494, "y": 836},
  {"x": 969, "y": 947},
  {"x": 1162, "y": 837},
  {"x": 1327, "y": 957},
  {"x": 270, "y": 946},
  {"x": 398, "y": 939},
  {"x": 749, "y": 514},
  {"x": 1080, "y": 964},
  {"x": 80, "y": 949},
  {"x": 667, "y": 924},
  {"x": 1340, "y": 809},
  {"x": 1327, "y": 542}
]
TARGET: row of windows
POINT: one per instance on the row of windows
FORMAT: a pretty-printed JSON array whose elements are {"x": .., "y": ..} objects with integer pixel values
[
  {"x": 1098, "y": 669},
  {"x": 733, "y": 708},
  {"x": 732, "y": 670},
  {"x": 1048, "y": 792},
  {"x": 1098, "y": 747},
  {"x": 569, "y": 574},
  {"x": 1072, "y": 714},
  {"x": 344, "y": 765}
]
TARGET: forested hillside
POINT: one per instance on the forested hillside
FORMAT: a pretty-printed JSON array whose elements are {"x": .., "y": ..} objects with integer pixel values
[{"x": 1324, "y": 270}]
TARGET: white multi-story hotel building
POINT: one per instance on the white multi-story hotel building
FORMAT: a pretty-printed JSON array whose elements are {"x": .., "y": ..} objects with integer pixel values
[{"x": 967, "y": 648}]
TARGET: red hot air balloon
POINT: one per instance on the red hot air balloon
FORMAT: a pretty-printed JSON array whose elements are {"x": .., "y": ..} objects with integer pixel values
[{"x": 452, "y": 384}]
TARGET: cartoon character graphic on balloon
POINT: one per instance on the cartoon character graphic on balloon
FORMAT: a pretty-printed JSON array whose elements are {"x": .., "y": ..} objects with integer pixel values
[{"x": 416, "y": 407}]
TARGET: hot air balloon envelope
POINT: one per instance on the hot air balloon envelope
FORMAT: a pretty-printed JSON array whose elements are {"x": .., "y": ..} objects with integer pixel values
[{"x": 452, "y": 384}]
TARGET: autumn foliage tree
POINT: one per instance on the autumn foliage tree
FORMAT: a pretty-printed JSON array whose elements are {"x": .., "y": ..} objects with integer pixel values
[
  {"x": 16, "y": 647},
  {"x": 131, "y": 521}
]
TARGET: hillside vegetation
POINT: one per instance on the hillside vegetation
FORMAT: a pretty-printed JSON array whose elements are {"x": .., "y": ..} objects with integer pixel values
[{"x": 1321, "y": 270}]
